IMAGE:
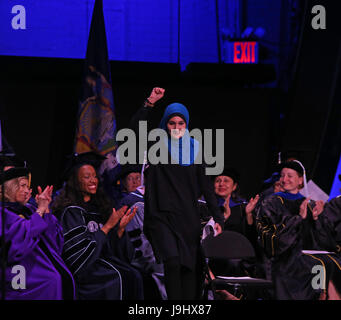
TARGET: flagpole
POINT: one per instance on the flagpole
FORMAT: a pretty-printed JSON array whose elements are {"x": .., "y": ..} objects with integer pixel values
[
  {"x": 3, "y": 221},
  {"x": 98, "y": 136}
]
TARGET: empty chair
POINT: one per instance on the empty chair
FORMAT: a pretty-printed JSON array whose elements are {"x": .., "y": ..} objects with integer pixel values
[{"x": 231, "y": 245}]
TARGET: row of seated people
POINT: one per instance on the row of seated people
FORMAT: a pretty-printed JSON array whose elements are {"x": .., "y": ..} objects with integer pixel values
[
  {"x": 282, "y": 247},
  {"x": 293, "y": 237},
  {"x": 91, "y": 247}
]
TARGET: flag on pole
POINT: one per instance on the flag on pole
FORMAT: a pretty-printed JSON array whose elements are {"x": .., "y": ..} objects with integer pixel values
[{"x": 96, "y": 129}]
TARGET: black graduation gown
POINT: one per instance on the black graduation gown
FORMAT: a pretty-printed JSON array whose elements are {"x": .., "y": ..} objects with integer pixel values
[
  {"x": 283, "y": 234},
  {"x": 99, "y": 262},
  {"x": 171, "y": 217},
  {"x": 237, "y": 222},
  {"x": 332, "y": 210}
]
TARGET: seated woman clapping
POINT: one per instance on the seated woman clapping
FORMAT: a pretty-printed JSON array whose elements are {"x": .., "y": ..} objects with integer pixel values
[
  {"x": 97, "y": 249},
  {"x": 34, "y": 241}
]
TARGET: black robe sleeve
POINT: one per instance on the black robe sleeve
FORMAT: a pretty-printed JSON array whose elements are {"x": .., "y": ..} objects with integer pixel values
[
  {"x": 328, "y": 226},
  {"x": 142, "y": 114},
  {"x": 332, "y": 211},
  {"x": 120, "y": 247},
  {"x": 249, "y": 230},
  {"x": 278, "y": 229}
]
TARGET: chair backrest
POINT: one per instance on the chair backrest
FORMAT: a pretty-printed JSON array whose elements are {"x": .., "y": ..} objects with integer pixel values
[{"x": 228, "y": 245}]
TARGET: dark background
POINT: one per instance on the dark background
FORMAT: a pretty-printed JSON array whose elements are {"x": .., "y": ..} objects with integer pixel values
[{"x": 39, "y": 98}]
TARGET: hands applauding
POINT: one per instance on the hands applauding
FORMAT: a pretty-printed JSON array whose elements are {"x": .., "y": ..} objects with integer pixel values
[
  {"x": 43, "y": 200},
  {"x": 316, "y": 211},
  {"x": 123, "y": 215},
  {"x": 125, "y": 220}
]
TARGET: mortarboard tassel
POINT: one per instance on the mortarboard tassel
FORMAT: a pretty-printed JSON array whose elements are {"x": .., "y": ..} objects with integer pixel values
[{"x": 305, "y": 187}]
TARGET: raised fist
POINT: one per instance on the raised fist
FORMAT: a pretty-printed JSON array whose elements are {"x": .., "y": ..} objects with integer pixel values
[{"x": 156, "y": 95}]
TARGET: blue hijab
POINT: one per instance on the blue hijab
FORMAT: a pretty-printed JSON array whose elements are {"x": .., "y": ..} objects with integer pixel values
[{"x": 185, "y": 149}]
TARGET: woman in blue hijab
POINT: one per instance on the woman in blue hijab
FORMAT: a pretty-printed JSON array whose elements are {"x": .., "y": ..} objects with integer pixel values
[{"x": 171, "y": 217}]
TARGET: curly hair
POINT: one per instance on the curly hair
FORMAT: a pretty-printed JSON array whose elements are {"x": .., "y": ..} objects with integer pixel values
[
  {"x": 71, "y": 194},
  {"x": 11, "y": 187}
]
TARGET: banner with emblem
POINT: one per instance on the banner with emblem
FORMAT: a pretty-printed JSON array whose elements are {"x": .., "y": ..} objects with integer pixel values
[{"x": 96, "y": 129}]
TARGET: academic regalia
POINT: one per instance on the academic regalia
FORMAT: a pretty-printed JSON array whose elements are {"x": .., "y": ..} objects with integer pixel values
[
  {"x": 332, "y": 210},
  {"x": 112, "y": 181},
  {"x": 111, "y": 187},
  {"x": 144, "y": 258},
  {"x": 283, "y": 234},
  {"x": 237, "y": 220},
  {"x": 143, "y": 255},
  {"x": 100, "y": 263},
  {"x": 36, "y": 243}
]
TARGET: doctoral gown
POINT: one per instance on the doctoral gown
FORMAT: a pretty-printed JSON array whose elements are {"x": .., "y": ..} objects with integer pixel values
[
  {"x": 237, "y": 220},
  {"x": 283, "y": 235},
  {"x": 144, "y": 256},
  {"x": 100, "y": 263},
  {"x": 35, "y": 243}
]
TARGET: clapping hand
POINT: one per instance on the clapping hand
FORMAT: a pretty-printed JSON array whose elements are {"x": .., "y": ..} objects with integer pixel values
[
  {"x": 249, "y": 208},
  {"x": 303, "y": 208},
  {"x": 114, "y": 218},
  {"x": 227, "y": 209},
  {"x": 129, "y": 215},
  {"x": 251, "y": 205},
  {"x": 318, "y": 209},
  {"x": 43, "y": 199}
]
